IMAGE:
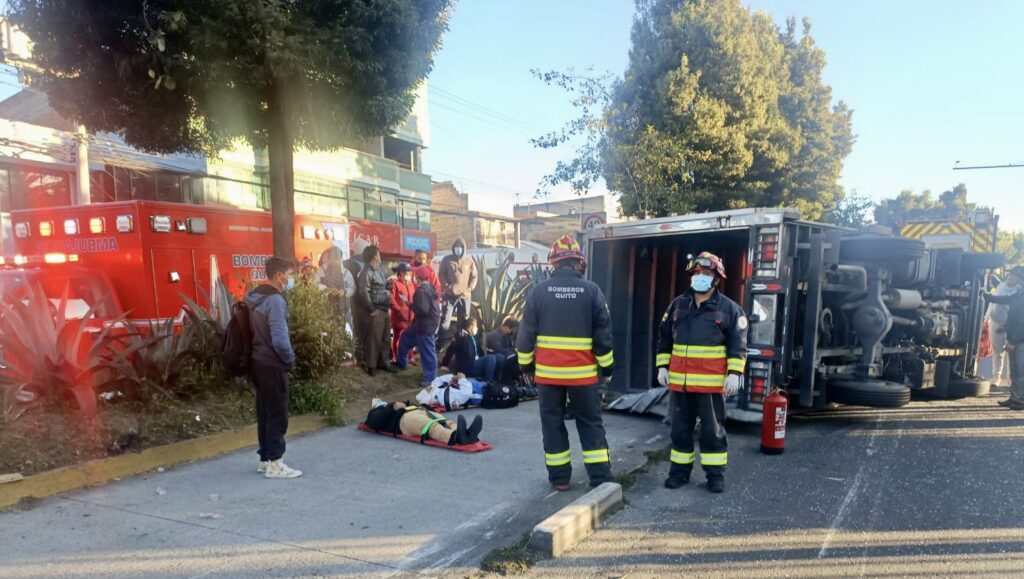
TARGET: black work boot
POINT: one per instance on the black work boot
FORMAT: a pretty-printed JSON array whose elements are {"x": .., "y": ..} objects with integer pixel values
[
  {"x": 716, "y": 484},
  {"x": 675, "y": 481},
  {"x": 473, "y": 433}
]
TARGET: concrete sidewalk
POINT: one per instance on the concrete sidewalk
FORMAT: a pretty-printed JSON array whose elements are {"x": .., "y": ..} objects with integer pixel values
[{"x": 366, "y": 506}]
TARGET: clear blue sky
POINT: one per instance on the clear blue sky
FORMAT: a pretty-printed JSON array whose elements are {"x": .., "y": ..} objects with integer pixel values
[{"x": 930, "y": 82}]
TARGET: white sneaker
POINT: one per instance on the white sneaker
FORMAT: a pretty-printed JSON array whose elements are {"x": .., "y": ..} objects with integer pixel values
[
  {"x": 262, "y": 468},
  {"x": 278, "y": 469}
]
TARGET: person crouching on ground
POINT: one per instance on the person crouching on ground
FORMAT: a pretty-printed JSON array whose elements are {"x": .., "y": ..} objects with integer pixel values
[
  {"x": 422, "y": 335},
  {"x": 272, "y": 357},
  {"x": 398, "y": 418},
  {"x": 469, "y": 357}
]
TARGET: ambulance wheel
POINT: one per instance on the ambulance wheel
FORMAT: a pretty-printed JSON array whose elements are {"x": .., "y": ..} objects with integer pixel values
[
  {"x": 875, "y": 248},
  {"x": 874, "y": 393},
  {"x": 967, "y": 388}
]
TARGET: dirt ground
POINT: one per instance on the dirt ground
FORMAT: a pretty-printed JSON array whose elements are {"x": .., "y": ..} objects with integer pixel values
[{"x": 41, "y": 440}]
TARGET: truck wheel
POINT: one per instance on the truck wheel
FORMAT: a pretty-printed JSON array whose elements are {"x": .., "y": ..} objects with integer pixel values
[
  {"x": 875, "y": 248},
  {"x": 875, "y": 393},
  {"x": 976, "y": 261},
  {"x": 967, "y": 388}
]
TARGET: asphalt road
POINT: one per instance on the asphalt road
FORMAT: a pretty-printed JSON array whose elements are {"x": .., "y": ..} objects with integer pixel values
[
  {"x": 367, "y": 506},
  {"x": 932, "y": 489}
]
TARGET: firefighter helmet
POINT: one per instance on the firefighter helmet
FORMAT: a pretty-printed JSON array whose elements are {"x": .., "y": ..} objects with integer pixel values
[
  {"x": 565, "y": 248},
  {"x": 707, "y": 260}
]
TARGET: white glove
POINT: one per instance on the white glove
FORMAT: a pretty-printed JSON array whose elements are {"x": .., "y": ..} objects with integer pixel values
[
  {"x": 732, "y": 385},
  {"x": 663, "y": 377}
]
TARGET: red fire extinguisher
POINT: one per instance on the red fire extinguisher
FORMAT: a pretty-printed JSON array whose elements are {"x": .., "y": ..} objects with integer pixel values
[{"x": 773, "y": 423}]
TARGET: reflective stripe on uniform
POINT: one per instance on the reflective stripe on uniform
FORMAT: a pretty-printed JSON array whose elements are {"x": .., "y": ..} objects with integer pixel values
[
  {"x": 737, "y": 365},
  {"x": 595, "y": 456},
  {"x": 664, "y": 359},
  {"x": 560, "y": 343},
  {"x": 606, "y": 360},
  {"x": 567, "y": 373},
  {"x": 525, "y": 358},
  {"x": 714, "y": 458},
  {"x": 702, "y": 352},
  {"x": 558, "y": 458},
  {"x": 683, "y": 457},
  {"x": 704, "y": 380}
]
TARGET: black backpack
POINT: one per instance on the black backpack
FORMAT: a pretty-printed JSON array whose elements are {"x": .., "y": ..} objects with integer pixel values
[
  {"x": 236, "y": 351},
  {"x": 500, "y": 396}
]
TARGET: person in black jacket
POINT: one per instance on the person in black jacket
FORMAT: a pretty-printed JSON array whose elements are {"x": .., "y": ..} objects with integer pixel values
[
  {"x": 376, "y": 300},
  {"x": 1014, "y": 341},
  {"x": 426, "y": 311},
  {"x": 565, "y": 342},
  {"x": 470, "y": 358},
  {"x": 399, "y": 418}
]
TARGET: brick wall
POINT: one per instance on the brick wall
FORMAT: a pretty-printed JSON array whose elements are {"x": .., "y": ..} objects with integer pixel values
[{"x": 451, "y": 217}]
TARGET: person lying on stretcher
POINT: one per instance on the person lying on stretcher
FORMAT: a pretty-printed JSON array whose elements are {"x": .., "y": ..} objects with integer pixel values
[{"x": 398, "y": 418}]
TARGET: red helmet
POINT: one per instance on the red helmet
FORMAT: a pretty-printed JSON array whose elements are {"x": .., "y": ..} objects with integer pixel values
[
  {"x": 707, "y": 260},
  {"x": 563, "y": 249}
]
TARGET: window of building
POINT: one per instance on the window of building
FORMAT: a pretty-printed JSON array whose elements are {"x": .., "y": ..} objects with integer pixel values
[
  {"x": 389, "y": 208},
  {"x": 5, "y": 190},
  {"x": 101, "y": 187},
  {"x": 424, "y": 219},
  {"x": 37, "y": 188},
  {"x": 356, "y": 206},
  {"x": 168, "y": 187},
  {"x": 410, "y": 219}
]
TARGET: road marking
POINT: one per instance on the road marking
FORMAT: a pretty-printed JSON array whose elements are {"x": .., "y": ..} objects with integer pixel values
[
  {"x": 850, "y": 495},
  {"x": 553, "y": 493},
  {"x": 653, "y": 439}
]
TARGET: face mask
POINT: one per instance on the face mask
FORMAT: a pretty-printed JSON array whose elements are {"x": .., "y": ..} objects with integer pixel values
[
  {"x": 408, "y": 278},
  {"x": 701, "y": 283},
  {"x": 458, "y": 251},
  {"x": 290, "y": 284}
]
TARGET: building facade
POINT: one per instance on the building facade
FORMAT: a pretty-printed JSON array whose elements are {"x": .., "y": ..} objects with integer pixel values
[{"x": 453, "y": 219}]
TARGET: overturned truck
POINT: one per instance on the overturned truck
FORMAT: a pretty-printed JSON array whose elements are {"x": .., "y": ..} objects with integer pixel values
[{"x": 836, "y": 316}]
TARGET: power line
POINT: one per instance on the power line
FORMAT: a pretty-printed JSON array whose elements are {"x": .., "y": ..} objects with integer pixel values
[
  {"x": 958, "y": 167},
  {"x": 492, "y": 122},
  {"x": 445, "y": 94}
]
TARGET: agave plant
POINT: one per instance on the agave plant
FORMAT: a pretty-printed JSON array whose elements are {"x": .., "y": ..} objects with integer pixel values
[
  {"x": 49, "y": 356},
  {"x": 497, "y": 297},
  {"x": 151, "y": 361}
]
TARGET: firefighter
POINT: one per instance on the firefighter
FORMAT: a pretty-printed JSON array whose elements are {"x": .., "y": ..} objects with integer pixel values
[
  {"x": 702, "y": 351},
  {"x": 565, "y": 342}
]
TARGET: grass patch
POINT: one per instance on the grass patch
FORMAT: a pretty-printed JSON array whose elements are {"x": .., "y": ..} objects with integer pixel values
[
  {"x": 515, "y": 559},
  {"x": 656, "y": 456}
]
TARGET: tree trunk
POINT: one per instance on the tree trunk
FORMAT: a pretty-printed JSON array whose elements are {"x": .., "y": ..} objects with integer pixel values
[{"x": 282, "y": 183}]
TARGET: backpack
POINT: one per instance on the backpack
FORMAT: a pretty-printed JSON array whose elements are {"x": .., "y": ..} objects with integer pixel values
[
  {"x": 500, "y": 396},
  {"x": 236, "y": 351}
]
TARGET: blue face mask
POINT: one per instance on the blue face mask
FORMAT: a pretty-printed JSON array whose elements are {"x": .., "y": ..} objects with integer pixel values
[
  {"x": 289, "y": 284},
  {"x": 458, "y": 251},
  {"x": 701, "y": 283}
]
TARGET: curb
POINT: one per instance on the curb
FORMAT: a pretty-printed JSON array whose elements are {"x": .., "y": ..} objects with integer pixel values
[
  {"x": 570, "y": 525},
  {"x": 105, "y": 470}
]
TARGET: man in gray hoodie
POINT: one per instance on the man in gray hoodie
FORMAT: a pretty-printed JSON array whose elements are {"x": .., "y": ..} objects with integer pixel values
[{"x": 272, "y": 358}]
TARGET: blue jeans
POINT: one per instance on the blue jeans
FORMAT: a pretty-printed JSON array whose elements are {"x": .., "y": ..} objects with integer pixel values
[
  {"x": 426, "y": 345},
  {"x": 486, "y": 368}
]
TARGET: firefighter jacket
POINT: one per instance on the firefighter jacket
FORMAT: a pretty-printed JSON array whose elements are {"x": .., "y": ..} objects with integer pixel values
[
  {"x": 566, "y": 332},
  {"x": 702, "y": 345}
]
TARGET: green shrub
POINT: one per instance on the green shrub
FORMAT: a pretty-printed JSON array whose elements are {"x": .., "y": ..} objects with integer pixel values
[
  {"x": 316, "y": 397},
  {"x": 318, "y": 332}
]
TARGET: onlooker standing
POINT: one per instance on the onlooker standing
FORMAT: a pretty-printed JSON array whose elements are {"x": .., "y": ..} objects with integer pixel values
[
  {"x": 272, "y": 357},
  {"x": 360, "y": 319},
  {"x": 469, "y": 356},
  {"x": 373, "y": 289},
  {"x": 1014, "y": 329},
  {"x": 337, "y": 280},
  {"x": 402, "y": 291},
  {"x": 997, "y": 316},
  {"x": 426, "y": 316},
  {"x": 423, "y": 259},
  {"x": 458, "y": 280}
]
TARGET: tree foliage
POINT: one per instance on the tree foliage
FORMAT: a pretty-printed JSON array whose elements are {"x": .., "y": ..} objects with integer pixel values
[
  {"x": 192, "y": 75},
  {"x": 719, "y": 108},
  {"x": 951, "y": 204},
  {"x": 853, "y": 210},
  {"x": 1011, "y": 244}
]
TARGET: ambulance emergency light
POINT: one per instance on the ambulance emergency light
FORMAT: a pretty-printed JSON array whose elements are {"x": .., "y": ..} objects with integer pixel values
[
  {"x": 22, "y": 230},
  {"x": 70, "y": 227},
  {"x": 97, "y": 225},
  {"x": 160, "y": 223},
  {"x": 45, "y": 228},
  {"x": 125, "y": 224}
]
